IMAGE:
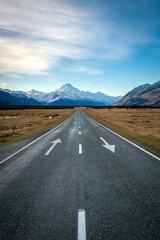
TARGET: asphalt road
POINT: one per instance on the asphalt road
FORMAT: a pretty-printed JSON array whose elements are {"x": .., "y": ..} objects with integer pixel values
[{"x": 67, "y": 185}]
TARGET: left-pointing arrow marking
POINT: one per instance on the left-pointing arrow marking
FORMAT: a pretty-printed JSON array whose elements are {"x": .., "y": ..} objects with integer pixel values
[
  {"x": 109, "y": 147},
  {"x": 54, "y": 144}
]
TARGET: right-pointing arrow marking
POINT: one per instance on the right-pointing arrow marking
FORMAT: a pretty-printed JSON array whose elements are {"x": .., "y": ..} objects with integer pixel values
[{"x": 109, "y": 147}]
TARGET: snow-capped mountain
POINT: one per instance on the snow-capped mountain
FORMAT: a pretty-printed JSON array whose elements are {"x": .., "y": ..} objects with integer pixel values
[
  {"x": 16, "y": 93},
  {"x": 36, "y": 94},
  {"x": 11, "y": 98},
  {"x": 67, "y": 95}
]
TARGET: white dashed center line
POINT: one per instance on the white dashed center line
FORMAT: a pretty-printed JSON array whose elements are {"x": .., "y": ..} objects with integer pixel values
[
  {"x": 81, "y": 224},
  {"x": 80, "y": 148},
  {"x": 79, "y": 132}
]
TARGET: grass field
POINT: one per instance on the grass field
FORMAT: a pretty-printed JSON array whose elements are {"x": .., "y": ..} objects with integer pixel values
[
  {"x": 18, "y": 124},
  {"x": 141, "y": 126}
]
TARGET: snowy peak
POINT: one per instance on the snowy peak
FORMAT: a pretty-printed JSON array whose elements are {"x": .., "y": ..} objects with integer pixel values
[
  {"x": 36, "y": 94},
  {"x": 67, "y": 88},
  {"x": 16, "y": 93},
  {"x": 32, "y": 91},
  {"x": 8, "y": 97}
]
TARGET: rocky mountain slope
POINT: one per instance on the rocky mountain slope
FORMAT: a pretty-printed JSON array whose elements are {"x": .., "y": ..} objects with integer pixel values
[{"x": 144, "y": 95}]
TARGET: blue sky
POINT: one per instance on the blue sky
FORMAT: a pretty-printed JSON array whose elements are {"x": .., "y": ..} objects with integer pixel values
[{"x": 110, "y": 46}]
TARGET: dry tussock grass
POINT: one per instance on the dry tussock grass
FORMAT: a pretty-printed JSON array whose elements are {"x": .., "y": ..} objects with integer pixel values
[
  {"x": 29, "y": 120},
  {"x": 139, "y": 125}
]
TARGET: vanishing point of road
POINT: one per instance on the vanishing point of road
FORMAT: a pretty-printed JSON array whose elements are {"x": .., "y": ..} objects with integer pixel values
[{"x": 79, "y": 181}]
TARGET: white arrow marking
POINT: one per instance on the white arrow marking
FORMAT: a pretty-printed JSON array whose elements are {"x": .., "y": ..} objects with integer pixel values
[
  {"x": 54, "y": 144},
  {"x": 109, "y": 147}
]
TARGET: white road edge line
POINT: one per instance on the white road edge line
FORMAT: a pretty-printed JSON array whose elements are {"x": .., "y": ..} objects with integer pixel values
[
  {"x": 4, "y": 160},
  {"x": 80, "y": 148},
  {"x": 79, "y": 132},
  {"x": 154, "y": 156},
  {"x": 81, "y": 224}
]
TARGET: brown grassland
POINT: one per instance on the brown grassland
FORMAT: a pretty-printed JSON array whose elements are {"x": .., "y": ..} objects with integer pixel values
[
  {"x": 18, "y": 124},
  {"x": 141, "y": 126}
]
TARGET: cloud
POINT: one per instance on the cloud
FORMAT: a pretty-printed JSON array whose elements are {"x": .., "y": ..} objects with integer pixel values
[
  {"x": 2, "y": 84},
  {"x": 14, "y": 76},
  {"x": 85, "y": 70},
  {"x": 30, "y": 58},
  {"x": 37, "y": 34},
  {"x": 16, "y": 57}
]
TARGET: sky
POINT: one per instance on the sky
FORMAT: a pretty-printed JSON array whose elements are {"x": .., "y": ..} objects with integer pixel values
[{"x": 109, "y": 46}]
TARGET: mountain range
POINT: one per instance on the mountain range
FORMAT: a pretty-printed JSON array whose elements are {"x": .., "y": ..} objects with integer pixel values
[
  {"x": 143, "y": 95},
  {"x": 67, "y": 95}
]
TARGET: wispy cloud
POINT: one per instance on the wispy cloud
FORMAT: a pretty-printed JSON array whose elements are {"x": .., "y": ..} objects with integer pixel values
[
  {"x": 84, "y": 70},
  {"x": 14, "y": 76},
  {"x": 36, "y": 34}
]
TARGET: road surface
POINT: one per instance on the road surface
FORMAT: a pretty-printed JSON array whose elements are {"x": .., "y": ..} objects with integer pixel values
[{"x": 78, "y": 181}]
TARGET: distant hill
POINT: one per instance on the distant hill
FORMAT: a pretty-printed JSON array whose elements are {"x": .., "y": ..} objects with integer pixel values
[
  {"x": 67, "y": 95},
  {"x": 144, "y": 95}
]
